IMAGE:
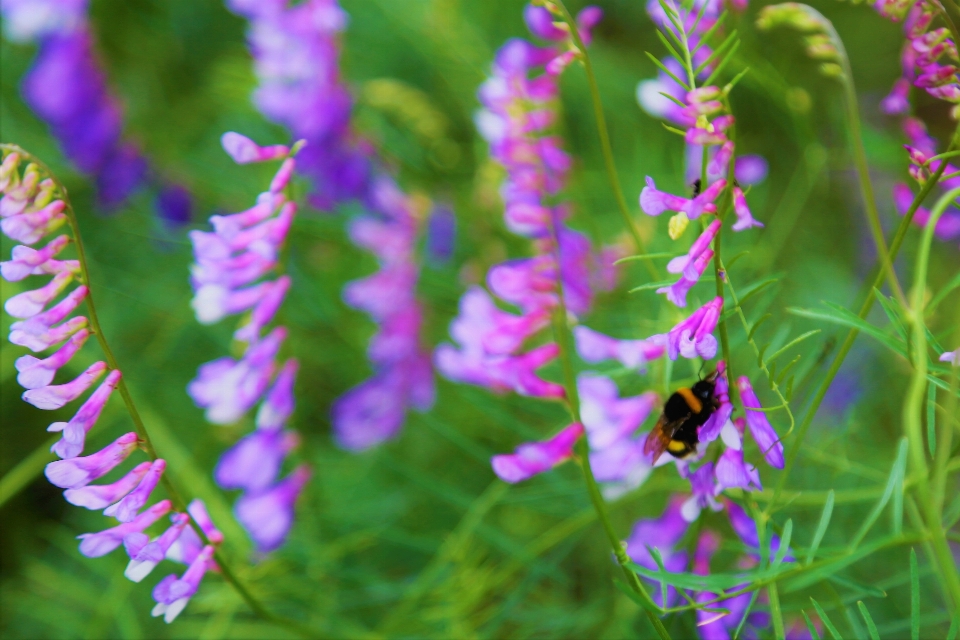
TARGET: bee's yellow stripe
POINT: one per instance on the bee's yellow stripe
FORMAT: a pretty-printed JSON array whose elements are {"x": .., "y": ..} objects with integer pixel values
[
  {"x": 676, "y": 446},
  {"x": 692, "y": 401}
]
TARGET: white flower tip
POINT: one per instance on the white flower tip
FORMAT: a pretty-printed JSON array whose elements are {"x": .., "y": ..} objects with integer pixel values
[{"x": 137, "y": 571}]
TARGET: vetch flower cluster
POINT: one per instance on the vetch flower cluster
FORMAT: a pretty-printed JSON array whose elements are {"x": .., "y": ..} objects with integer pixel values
[
  {"x": 32, "y": 209},
  {"x": 228, "y": 279}
]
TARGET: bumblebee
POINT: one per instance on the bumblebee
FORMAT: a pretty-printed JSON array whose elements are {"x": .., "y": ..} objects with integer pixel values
[
  {"x": 685, "y": 412},
  {"x": 697, "y": 186}
]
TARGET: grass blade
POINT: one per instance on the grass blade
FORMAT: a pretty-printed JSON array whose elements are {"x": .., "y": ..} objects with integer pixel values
[
  {"x": 810, "y": 626},
  {"x": 792, "y": 343},
  {"x": 871, "y": 627},
  {"x": 832, "y": 630},
  {"x": 784, "y": 543},
  {"x": 822, "y": 527},
  {"x": 932, "y": 419},
  {"x": 716, "y": 72},
  {"x": 954, "y": 627},
  {"x": 914, "y": 596},
  {"x": 775, "y": 611},
  {"x": 896, "y": 476},
  {"x": 746, "y": 613}
]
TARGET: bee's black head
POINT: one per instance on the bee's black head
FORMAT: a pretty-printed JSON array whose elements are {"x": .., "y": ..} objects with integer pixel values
[
  {"x": 704, "y": 389},
  {"x": 697, "y": 186}
]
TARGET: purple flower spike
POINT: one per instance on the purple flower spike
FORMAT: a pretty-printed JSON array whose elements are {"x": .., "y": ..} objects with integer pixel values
[
  {"x": 198, "y": 511},
  {"x": 663, "y": 534},
  {"x": 254, "y": 462},
  {"x": 594, "y": 347},
  {"x": 79, "y": 472},
  {"x": 953, "y": 357},
  {"x": 30, "y": 303},
  {"x": 268, "y": 515},
  {"x": 279, "y": 403},
  {"x": 126, "y": 510},
  {"x": 173, "y": 594},
  {"x": 243, "y": 150},
  {"x": 36, "y": 333},
  {"x": 734, "y": 472},
  {"x": 35, "y": 373},
  {"x": 227, "y": 388},
  {"x": 145, "y": 554},
  {"x": 606, "y": 417},
  {"x": 760, "y": 428},
  {"x": 264, "y": 311},
  {"x": 745, "y": 219},
  {"x": 654, "y": 202},
  {"x": 481, "y": 322},
  {"x": 55, "y": 396},
  {"x": 26, "y": 261},
  {"x": 693, "y": 337},
  {"x": 677, "y": 292},
  {"x": 897, "y": 101},
  {"x": 75, "y": 431},
  {"x": 94, "y": 545},
  {"x": 541, "y": 24},
  {"x": 530, "y": 459},
  {"x": 101, "y": 496}
]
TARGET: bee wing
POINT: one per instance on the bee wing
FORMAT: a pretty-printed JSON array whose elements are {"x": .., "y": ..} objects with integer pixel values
[{"x": 659, "y": 438}]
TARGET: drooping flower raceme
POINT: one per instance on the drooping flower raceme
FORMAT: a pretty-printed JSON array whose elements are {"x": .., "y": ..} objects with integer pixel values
[
  {"x": 296, "y": 56},
  {"x": 43, "y": 323}
]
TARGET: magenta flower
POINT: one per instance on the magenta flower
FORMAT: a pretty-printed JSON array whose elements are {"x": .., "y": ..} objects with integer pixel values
[
  {"x": 74, "y": 473},
  {"x": 746, "y": 529},
  {"x": 654, "y": 202},
  {"x": 663, "y": 534},
  {"x": 496, "y": 332},
  {"x": 227, "y": 388},
  {"x": 529, "y": 283},
  {"x": 57, "y": 395},
  {"x": 94, "y": 545},
  {"x": 101, "y": 496},
  {"x": 75, "y": 431},
  {"x": 243, "y": 150},
  {"x": 948, "y": 226},
  {"x": 264, "y": 311},
  {"x": 30, "y": 303},
  {"x": 684, "y": 264},
  {"x": 501, "y": 373},
  {"x": 35, "y": 373},
  {"x": 37, "y": 333},
  {"x": 145, "y": 554},
  {"x": 745, "y": 219},
  {"x": 595, "y": 347},
  {"x": 693, "y": 337},
  {"x": 709, "y": 133},
  {"x": 897, "y": 102},
  {"x": 268, "y": 515},
  {"x": 30, "y": 227},
  {"x": 606, "y": 417},
  {"x": 719, "y": 419},
  {"x": 953, "y": 357},
  {"x": 278, "y": 406},
  {"x": 172, "y": 594},
  {"x": 703, "y": 485},
  {"x": 677, "y": 292},
  {"x": 734, "y": 472},
  {"x": 532, "y": 458},
  {"x": 126, "y": 510},
  {"x": 760, "y": 428}
]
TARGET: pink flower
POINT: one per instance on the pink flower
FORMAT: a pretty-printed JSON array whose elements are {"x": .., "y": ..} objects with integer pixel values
[
  {"x": 595, "y": 347},
  {"x": 264, "y": 311},
  {"x": 501, "y": 373},
  {"x": 745, "y": 219},
  {"x": 760, "y": 428},
  {"x": 145, "y": 554},
  {"x": 533, "y": 458},
  {"x": 94, "y": 545},
  {"x": 654, "y": 202},
  {"x": 734, "y": 472},
  {"x": 254, "y": 462},
  {"x": 278, "y": 406},
  {"x": 213, "y": 302},
  {"x": 126, "y": 510},
  {"x": 897, "y": 101},
  {"x": 56, "y": 396},
  {"x": 172, "y": 594},
  {"x": 684, "y": 264},
  {"x": 35, "y": 373},
  {"x": 529, "y": 283},
  {"x": 677, "y": 292},
  {"x": 710, "y": 134},
  {"x": 663, "y": 534},
  {"x": 26, "y": 261},
  {"x": 606, "y": 417},
  {"x": 953, "y": 357},
  {"x": 243, "y": 150},
  {"x": 693, "y": 337},
  {"x": 101, "y": 496},
  {"x": 30, "y": 227},
  {"x": 496, "y": 332},
  {"x": 75, "y": 431},
  {"x": 703, "y": 485},
  {"x": 36, "y": 333},
  {"x": 948, "y": 226},
  {"x": 30, "y": 303},
  {"x": 74, "y": 473}
]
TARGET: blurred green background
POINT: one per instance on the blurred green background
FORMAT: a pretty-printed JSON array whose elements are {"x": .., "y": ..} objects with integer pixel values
[{"x": 418, "y": 538}]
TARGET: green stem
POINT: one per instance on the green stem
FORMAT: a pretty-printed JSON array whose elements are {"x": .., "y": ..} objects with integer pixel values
[
  {"x": 604, "y": 134},
  {"x": 179, "y": 504},
  {"x": 863, "y": 169},
  {"x": 865, "y": 308},
  {"x": 913, "y": 406}
]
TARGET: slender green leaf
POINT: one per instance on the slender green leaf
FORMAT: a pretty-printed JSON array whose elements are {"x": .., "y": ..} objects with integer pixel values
[
  {"x": 792, "y": 343},
  {"x": 827, "y": 623},
  {"x": 664, "y": 68},
  {"x": 839, "y": 315},
  {"x": 893, "y": 313},
  {"x": 717, "y": 52},
  {"x": 763, "y": 350},
  {"x": 661, "y": 570},
  {"x": 896, "y": 472},
  {"x": 669, "y": 46},
  {"x": 645, "y": 256},
  {"x": 914, "y": 596},
  {"x": 716, "y": 72},
  {"x": 754, "y": 288},
  {"x": 871, "y": 627},
  {"x": 822, "y": 527},
  {"x": 786, "y": 369},
  {"x": 756, "y": 325},
  {"x": 788, "y": 394},
  {"x": 630, "y": 593},
  {"x": 746, "y": 613},
  {"x": 729, "y": 87},
  {"x": 784, "y": 543},
  {"x": 810, "y": 626},
  {"x": 732, "y": 261},
  {"x": 858, "y": 587},
  {"x": 662, "y": 283},
  {"x": 705, "y": 38},
  {"x": 775, "y": 612},
  {"x": 674, "y": 100},
  {"x": 932, "y": 419}
]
